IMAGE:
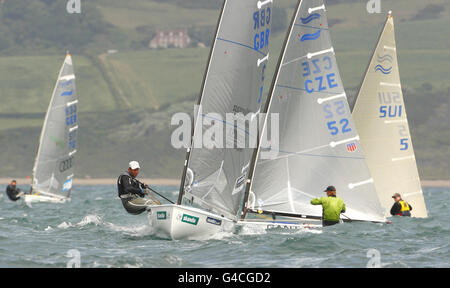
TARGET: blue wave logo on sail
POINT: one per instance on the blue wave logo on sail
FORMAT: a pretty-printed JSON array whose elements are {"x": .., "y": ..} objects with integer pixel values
[
  {"x": 383, "y": 58},
  {"x": 67, "y": 93},
  {"x": 310, "y": 18},
  {"x": 383, "y": 70},
  {"x": 313, "y": 36},
  {"x": 67, "y": 83}
]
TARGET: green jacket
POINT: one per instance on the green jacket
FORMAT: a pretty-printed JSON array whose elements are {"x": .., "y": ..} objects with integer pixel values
[{"x": 332, "y": 207}]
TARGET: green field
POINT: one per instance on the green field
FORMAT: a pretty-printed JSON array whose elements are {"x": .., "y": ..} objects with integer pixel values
[{"x": 127, "y": 98}]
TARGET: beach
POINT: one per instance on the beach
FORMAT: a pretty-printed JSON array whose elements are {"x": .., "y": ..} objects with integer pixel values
[
  {"x": 170, "y": 182},
  {"x": 98, "y": 181}
]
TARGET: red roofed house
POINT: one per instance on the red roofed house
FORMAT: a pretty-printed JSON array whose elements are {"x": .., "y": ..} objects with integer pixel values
[{"x": 170, "y": 38}]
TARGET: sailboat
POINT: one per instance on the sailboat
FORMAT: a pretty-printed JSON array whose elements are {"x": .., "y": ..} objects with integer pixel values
[
  {"x": 318, "y": 141},
  {"x": 54, "y": 163},
  {"x": 380, "y": 117},
  {"x": 213, "y": 180}
]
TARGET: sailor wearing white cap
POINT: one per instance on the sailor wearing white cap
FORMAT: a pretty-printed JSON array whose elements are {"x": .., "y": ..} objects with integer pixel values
[{"x": 131, "y": 191}]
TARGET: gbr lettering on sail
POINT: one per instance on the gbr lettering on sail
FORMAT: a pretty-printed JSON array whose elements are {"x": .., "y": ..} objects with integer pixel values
[{"x": 261, "y": 20}]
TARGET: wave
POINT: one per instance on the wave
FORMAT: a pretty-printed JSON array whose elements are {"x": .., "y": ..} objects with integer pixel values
[
  {"x": 383, "y": 70},
  {"x": 90, "y": 219},
  {"x": 313, "y": 36},
  {"x": 64, "y": 225},
  {"x": 310, "y": 18}
]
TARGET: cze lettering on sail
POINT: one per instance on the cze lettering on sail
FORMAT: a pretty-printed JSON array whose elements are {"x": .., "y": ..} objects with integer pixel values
[{"x": 315, "y": 79}]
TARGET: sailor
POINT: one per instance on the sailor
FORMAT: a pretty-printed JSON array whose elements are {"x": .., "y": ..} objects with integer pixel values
[
  {"x": 132, "y": 192},
  {"x": 400, "y": 207},
  {"x": 14, "y": 193},
  {"x": 332, "y": 206}
]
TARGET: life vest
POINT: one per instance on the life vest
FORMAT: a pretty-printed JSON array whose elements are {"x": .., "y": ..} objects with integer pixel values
[{"x": 404, "y": 211}]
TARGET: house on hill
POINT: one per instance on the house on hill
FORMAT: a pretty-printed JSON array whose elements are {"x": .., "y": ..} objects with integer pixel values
[{"x": 170, "y": 38}]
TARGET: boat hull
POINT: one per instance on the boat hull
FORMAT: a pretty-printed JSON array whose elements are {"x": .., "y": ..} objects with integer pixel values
[
  {"x": 178, "y": 222},
  {"x": 33, "y": 198},
  {"x": 287, "y": 224}
]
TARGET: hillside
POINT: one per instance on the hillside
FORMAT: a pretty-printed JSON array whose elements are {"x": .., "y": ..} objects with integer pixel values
[{"x": 127, "y": 98}]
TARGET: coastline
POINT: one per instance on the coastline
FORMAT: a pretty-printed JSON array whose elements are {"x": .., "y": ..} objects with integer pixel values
[
  {"x": 99, "y": 181},
  {"x": 171, "y": 182}
]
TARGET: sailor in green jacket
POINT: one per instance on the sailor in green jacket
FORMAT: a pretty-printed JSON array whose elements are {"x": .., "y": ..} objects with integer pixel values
[{"x": 332, "y": 206}]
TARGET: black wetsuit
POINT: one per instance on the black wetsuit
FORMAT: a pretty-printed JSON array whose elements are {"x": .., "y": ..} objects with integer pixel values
[
  {"x": 12, "y": 192},
  {"x": 130, "y": 192}
]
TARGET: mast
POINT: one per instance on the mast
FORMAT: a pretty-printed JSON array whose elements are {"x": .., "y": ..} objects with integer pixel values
[
  {"x": 248, "y": 186},
  {"x": 188, "y": 153}
]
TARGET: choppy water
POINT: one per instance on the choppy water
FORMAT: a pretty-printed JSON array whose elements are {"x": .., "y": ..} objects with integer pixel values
[{"x": 96, "y": 226}]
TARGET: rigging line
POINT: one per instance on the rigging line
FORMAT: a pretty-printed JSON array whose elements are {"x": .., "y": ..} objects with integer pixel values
[
  {"x": 304, "y": 193},
  {"x": 308, "y": 26},
  {"x": 243, "y": 45},
  {"x": 227, "y": 123},
  {"x": 209, "y": 206},
  {"x": 311, "y": 155},
  {"x": 303, "y": 89},
  {"x": 272, "y": 204},
  {"x": 299, "y": 152}
]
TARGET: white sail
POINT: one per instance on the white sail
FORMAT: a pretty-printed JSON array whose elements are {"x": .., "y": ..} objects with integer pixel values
[
  {"x": 213, "y": 181},
  {"x": 54, "y": 164},
  {"x": 214, "y": 178},
  {"x": 319, "y": 144},
  {"x": 380, "y": 117}
]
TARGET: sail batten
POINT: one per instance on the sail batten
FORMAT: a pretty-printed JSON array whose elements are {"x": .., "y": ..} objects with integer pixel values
[
  {"x": 380, "y": 116},
  {"x": 315, "y": 120}
]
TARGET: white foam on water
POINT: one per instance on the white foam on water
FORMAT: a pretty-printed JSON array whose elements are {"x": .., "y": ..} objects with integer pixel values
[
  {"x": 90, "y": 219},
  {"x": 64, "y": 225},
  {"x": 141, "y": 230},
  {"x": 218, "y": 236},
  {"x": 252, "y": 229},
  {"x": 428, "y": 249},
  {"x": 174, "y": 260},
  {"x": 28, "y": 203},
  {"x": 257, "y": 229},
  {"x": 49, "y": 228}
]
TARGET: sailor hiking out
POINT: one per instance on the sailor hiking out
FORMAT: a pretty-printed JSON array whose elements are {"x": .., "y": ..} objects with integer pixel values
[
  {"x": 132, "y": 192},
  {"x": 14, "y": 193},
  {"x": 332, "y": 207}
]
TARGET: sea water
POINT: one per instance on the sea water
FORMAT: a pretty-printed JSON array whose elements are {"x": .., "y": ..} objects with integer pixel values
[{"x": 93, "y": 230}]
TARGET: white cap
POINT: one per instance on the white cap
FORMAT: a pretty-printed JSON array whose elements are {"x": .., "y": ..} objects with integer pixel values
[{"x": 134, "y": 165}]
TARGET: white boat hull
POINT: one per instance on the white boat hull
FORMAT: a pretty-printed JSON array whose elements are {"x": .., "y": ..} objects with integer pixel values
[
  {"x": 178, "y": 222},
  {"x": 33, "y": 198},
  {"x": 288, "y": 225}
]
